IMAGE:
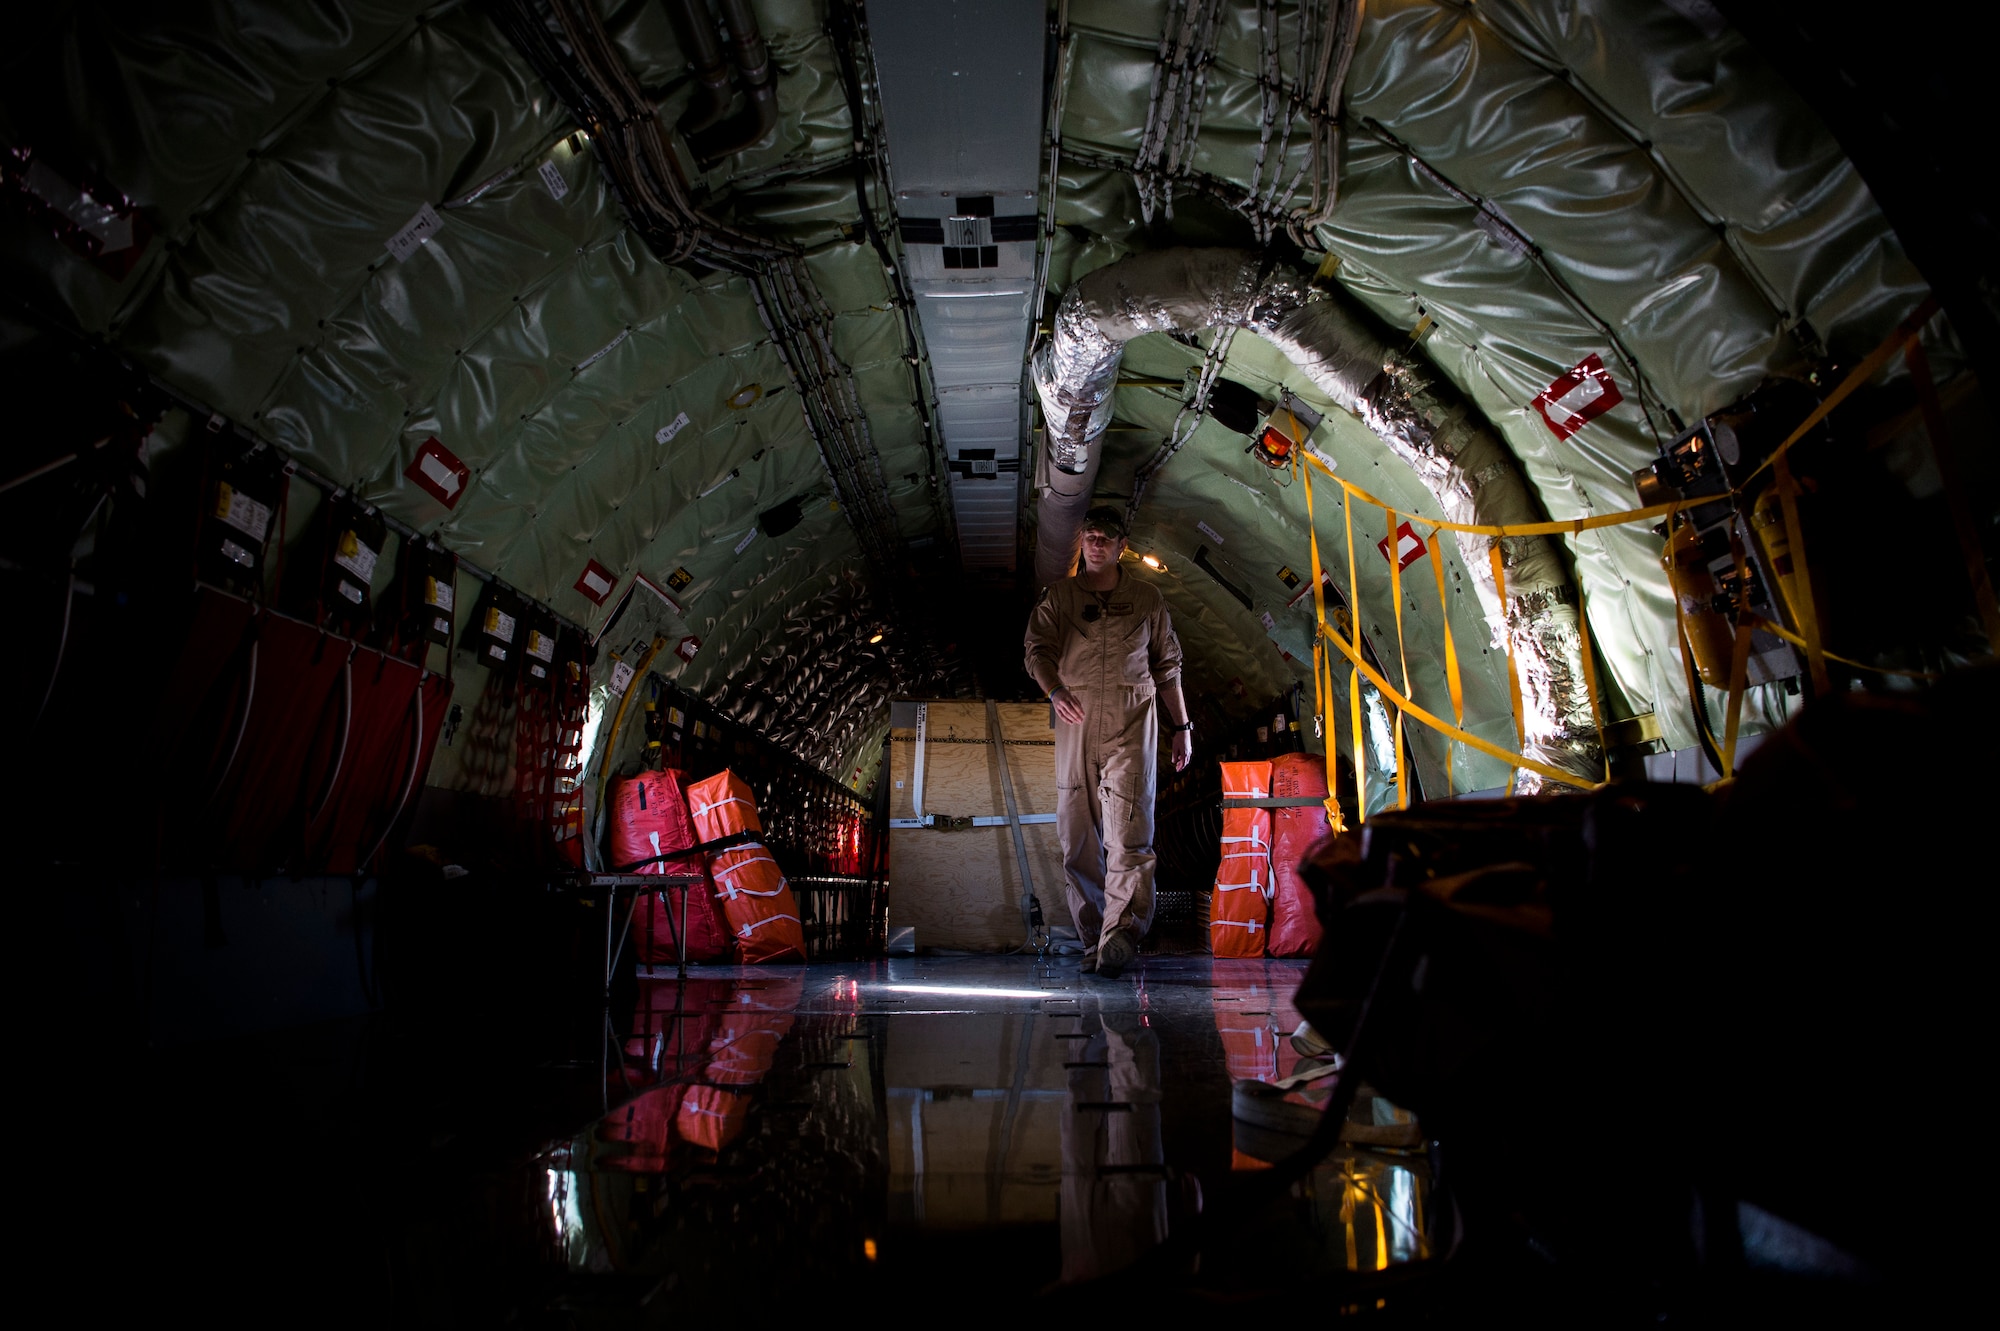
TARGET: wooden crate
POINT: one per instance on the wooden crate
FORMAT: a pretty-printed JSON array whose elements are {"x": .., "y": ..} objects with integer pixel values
[{"x": 962, "y": 889}]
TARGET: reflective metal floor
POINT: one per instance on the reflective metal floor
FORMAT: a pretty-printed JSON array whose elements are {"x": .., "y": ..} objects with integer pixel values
[{"x": 985, "y": 1129}]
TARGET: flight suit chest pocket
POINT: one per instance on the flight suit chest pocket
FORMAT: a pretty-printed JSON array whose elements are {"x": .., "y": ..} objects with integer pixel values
[{"x": 1129, "y": 641}]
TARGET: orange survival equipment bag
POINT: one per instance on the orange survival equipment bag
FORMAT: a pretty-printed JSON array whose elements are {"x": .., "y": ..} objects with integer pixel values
[
  {"x": 1238, "y": 910},
  {"x": 756, "y": 901},
  {"x": 1294, "y": 832}
]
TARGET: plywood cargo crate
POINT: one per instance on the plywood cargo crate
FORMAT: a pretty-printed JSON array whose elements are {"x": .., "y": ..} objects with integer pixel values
[{"x": 961, "y": 888}]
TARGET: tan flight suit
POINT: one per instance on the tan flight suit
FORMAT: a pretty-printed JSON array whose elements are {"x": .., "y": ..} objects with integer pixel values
[{"x": 1105, "y": 768}]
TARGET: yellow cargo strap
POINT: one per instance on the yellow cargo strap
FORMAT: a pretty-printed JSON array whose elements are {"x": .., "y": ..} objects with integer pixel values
[
  {"x": 1566, "y": 527},
  {"x": 1396, "y": 699},
  {"x": 1589, "y": 682},
  {"x": 1954, "y": 492},
  {"x": 1451, "y": 676},
  {"x": 1739, "y": 662},
  {"x": 618, "y": 719},
  {"x": 1781, "y": 631},
  {"x": 1905, "y": 335},
  {"x": 1795, "y": 539},
  {"x": 1354, "y": 677},
  {"x": 1323, "y": 671},
  {"x": 1402, "y": 652},
  {"x": 1360, "y": 762},
  {"x": 1507, "y": 632}
]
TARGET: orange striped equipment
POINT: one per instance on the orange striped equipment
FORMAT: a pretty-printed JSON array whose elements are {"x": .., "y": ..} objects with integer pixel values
[
  {"x": 757, "y": 902},
  {"x": 1238, "y": 914},
  {"x": 722, "y": 806}
]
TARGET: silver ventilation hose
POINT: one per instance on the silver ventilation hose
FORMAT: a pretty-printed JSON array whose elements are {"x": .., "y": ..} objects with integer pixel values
[{"x": 1400, "y": 396}]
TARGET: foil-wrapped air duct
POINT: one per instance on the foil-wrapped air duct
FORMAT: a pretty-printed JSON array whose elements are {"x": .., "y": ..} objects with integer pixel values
[{"x": 1398, "y": 394}]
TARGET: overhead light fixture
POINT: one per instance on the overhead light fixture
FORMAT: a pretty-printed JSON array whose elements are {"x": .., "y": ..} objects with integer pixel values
[
  {"x": 877, "y": 638},
  {"x": 1153, "y": 562}
]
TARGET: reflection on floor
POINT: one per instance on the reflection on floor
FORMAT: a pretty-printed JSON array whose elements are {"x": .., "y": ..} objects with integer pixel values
[{"x": 988, "y": 1127}]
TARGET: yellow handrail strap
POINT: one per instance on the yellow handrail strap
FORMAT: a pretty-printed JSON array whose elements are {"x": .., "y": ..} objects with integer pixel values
[
  {"x": 1402, "y": 653},
  {"x": 1451, "y": 675},
  {"x": 1954, "y": 492},
  {"x": 1563, "y": 527},
  {"x": 618, "y": 718},
  {"x": 1374, "y": 677},
  {"x": 1739, "y": 667},
  {"x": 1354, "y": 681},
  {"x": 1507, "y": 633},
  {"x": 1590, "y": 684},
  {"x": 1906, "y": 332},
  {"x": 1322, "y": 696},
  {"x": 1360, "y": 760},
  {"x": 1781, "y": 631},
  {"x": 1795, "y": 540}
]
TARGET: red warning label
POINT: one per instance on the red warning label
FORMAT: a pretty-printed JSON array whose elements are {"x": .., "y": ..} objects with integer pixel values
[
  {"x": 688, "y": 647},
  {"x": 1409, "y": 546},
  {"x": 596, "y": 582},
  {"x": 438, "y": 471},
  {"x": 1576, "y": 399}
]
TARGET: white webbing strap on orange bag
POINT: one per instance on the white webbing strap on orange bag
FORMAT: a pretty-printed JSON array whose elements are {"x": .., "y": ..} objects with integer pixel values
[{"x": 727, "y": 866}]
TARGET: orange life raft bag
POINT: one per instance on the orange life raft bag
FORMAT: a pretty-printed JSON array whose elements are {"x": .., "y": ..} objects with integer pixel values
[{"x": 1238, "y": 912}]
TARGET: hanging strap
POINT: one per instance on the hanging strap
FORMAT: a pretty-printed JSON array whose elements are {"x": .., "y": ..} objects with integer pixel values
[
  {"x": 1402, "y": 653},
  {"x": 1507, "y": 633},
  {"x": 1354, "y": 677},
  {"x": 1954, "y": 491},
  {"x": 1013, "y": 820},
  {"x": 1451, "y": 676},
  {"x": 1361, "y": 667},
  {"x": 1590, "y": 684},
  {"x": 1795, "y": 538}
]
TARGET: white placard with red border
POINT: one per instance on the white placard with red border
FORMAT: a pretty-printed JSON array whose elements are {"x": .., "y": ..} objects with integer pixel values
[
  {"x": 597, "y": 582},
  {"x": 438, "y": 472},
  {"x": 1579, "y": 397},
  {"x": 1409, "y": 545}
]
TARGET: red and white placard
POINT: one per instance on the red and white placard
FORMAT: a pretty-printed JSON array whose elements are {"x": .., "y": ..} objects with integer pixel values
[
  {"x": 596, "y": 582},
  {"x": 1409, "y": 546},
  {"x": 438, "y": 472},
  {"x": 1579, "y": 397},
  {"x": 688, "y": 647}
]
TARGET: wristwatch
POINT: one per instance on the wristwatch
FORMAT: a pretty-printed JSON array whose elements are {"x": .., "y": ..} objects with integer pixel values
[{"x": 1185, "y": 726}]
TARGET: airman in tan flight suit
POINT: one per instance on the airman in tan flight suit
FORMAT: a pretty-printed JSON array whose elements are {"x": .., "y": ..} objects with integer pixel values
[{"x": 1101, "y": 645}]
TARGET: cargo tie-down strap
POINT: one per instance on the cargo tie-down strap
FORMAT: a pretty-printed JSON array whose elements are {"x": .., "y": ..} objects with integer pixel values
[
  {"x": 1903, "y": 339},
  {"x": 1014, "y": 820},
  {"x": 1282, "y": 802},
  {"x": 945, "y": 822}
]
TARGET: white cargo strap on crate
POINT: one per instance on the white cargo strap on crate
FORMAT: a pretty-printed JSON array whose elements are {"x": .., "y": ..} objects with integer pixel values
[
  {"x": 917, "y": 773},
  {"x": 922, "y": 819},
  {"x": 947, "y": 822},
  {"x": 1014, "y": 823}
]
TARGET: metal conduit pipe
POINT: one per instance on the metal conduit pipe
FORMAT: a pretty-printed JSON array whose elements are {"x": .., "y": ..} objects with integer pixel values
[
  {"x": 1401, "y": 397},
  {"x": 759, "y": 115},
  {"x": 696, "y": 28}
]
